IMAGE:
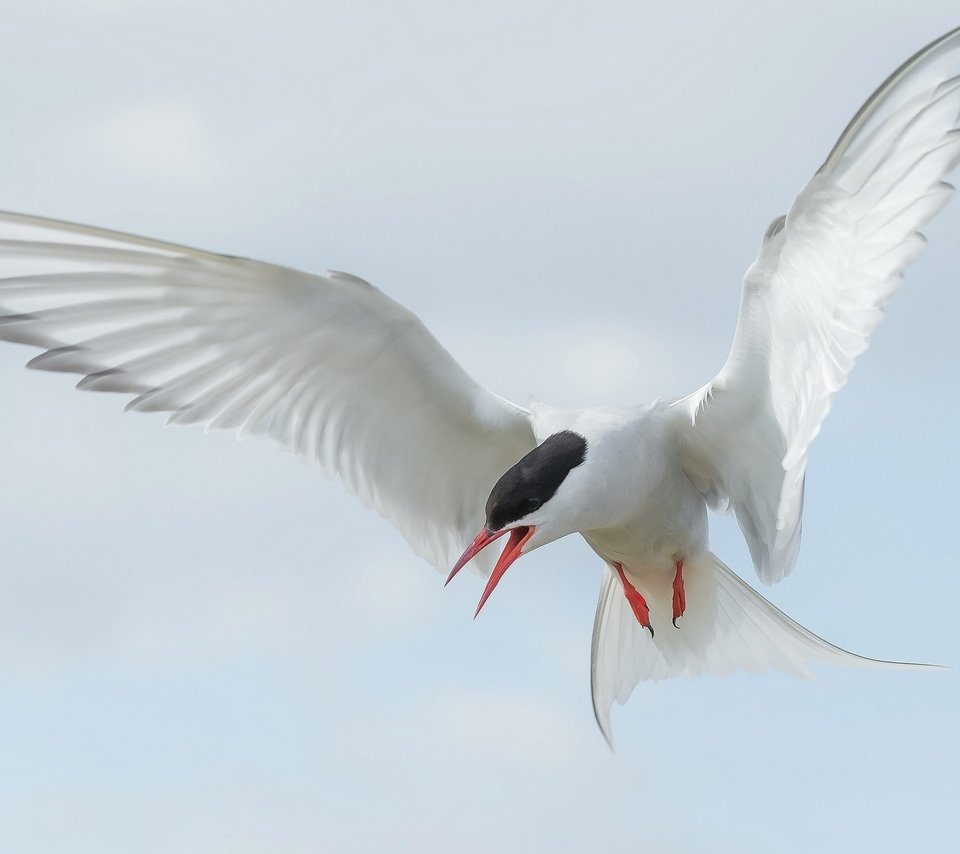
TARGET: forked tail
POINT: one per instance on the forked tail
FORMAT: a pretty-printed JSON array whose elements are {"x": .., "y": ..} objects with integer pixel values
[{"x": 727, "y": 626}]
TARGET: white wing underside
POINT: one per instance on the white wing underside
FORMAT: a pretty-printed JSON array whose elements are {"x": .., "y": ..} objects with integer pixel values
[
  {"x": 327, "y": 366},
  {"x": 813, "y": 297}
]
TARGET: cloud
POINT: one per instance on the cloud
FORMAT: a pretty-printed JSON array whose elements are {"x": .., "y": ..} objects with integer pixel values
[
  {"x": 391, "y": 590},
  {"x": 160, "y": 141},
  {"x": 506, "y": 730},
  {"x": 576, "y": 362}
]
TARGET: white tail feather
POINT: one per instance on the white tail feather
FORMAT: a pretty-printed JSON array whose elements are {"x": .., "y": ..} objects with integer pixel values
[{"x": 727, "y": 626}]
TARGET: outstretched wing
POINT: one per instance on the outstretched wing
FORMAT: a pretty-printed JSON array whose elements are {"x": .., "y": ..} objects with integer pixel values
[
  {"x": 813, "y": 297},
  {"x": 326, "y": 365}
]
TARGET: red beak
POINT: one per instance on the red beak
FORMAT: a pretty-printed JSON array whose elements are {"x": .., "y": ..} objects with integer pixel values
[{"x": 518, "y": 538}]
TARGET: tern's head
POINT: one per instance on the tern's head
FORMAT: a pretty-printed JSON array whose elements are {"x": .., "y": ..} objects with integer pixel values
[{"x": 528, "y": 503}]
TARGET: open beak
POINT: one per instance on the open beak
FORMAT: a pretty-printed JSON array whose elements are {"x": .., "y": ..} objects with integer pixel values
[{"x": 518, "y": 538}]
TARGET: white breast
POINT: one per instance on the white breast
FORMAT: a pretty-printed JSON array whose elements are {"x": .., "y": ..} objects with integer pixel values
[
  {"x": 637, "y": 505},
  {"x": 669, "y": 523}
]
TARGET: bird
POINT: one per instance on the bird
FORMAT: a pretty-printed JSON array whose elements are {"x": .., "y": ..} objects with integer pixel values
[{"x": 333, "y": 369}]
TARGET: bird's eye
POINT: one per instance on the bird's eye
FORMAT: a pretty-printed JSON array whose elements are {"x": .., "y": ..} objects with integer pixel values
[{"x": 531, "y": 504}]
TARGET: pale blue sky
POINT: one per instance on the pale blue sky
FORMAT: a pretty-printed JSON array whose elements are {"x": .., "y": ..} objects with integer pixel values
[{"x": 207, "y": 648}]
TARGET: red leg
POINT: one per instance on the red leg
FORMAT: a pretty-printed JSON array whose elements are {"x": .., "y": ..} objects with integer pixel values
[
  {"x": 679, "y": 597},
  {"x": 637, "y": 603}
]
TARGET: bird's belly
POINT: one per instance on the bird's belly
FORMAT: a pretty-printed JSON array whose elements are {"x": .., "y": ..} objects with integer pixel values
[{"x": 659, "y": 535}]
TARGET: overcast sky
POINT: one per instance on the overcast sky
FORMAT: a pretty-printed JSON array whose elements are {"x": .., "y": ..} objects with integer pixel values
[{"x": 205, "y": 647}]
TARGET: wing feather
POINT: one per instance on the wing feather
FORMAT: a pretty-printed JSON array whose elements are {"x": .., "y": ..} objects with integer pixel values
[
  {"x": 326, "y": 365},
  {"x": 813, "y": 297}
]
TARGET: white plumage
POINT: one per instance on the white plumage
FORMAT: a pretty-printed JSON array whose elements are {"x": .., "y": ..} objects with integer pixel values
[
  {"x": 330, "y": 367},
  {"x": 749, "y": 633},
  {"x": 326, "y": 365},
  {"x": 813, "y": 297}
]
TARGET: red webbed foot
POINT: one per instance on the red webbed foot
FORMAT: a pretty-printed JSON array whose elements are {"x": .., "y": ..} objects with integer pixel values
[
  {"x": 635, "y": 599},
  {"x": 679, "y": 596}
]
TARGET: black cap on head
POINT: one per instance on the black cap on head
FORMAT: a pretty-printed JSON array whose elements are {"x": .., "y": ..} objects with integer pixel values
[{"x": 534, "y": 480}]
